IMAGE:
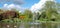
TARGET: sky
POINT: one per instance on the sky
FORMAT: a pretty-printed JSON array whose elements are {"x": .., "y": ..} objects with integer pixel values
[{"x": 23, "y": 4}]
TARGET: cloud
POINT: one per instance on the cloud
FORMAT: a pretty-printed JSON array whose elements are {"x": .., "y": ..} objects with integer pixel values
[
  {"x": 11, "y": 6},
  {"x": 39, "y": 5},
  {"x": 12, "y": 1}
]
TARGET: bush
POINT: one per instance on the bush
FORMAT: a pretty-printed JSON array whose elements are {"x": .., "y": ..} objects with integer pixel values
[{"x": 12, "y": 20}]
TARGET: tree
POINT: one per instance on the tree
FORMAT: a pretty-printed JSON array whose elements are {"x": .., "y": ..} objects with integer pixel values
[
  {"x": 28, "y": 14},
  {"x": 50, "y": 10},
  {"x": 47, "y": 13},
  {"x": 9, "y": 14}
]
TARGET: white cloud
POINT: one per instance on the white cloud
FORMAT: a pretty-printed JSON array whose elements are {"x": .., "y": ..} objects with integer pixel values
[
  {"x": 5, "y": 5},
  {"x": 39, "y": 5},
  {"x": 11, "y": 6}
]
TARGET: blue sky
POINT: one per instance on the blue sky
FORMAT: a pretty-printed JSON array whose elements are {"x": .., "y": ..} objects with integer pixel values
[
  {"x": 58, "y": 1},
  {"x": 27, "y": 3},
  {"x": 22, "y": 3}
]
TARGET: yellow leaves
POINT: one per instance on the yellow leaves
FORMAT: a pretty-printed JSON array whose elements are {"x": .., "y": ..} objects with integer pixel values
[{"x": 22, "y": 17}]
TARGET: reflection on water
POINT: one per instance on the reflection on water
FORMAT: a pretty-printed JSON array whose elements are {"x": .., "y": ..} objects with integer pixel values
[{"x": 29, "y": 25}]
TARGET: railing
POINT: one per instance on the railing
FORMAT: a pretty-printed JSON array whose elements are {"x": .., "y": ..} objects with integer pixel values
[{"x": 30, "y": 25}]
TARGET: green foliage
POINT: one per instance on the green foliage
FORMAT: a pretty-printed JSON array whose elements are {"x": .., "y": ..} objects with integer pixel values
[
  {"x": 15, "y": 20},
  {"x": 7, "y": 20},
  {"x": 28, "y": 15},
  {"x": 50, "y": 11}
]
